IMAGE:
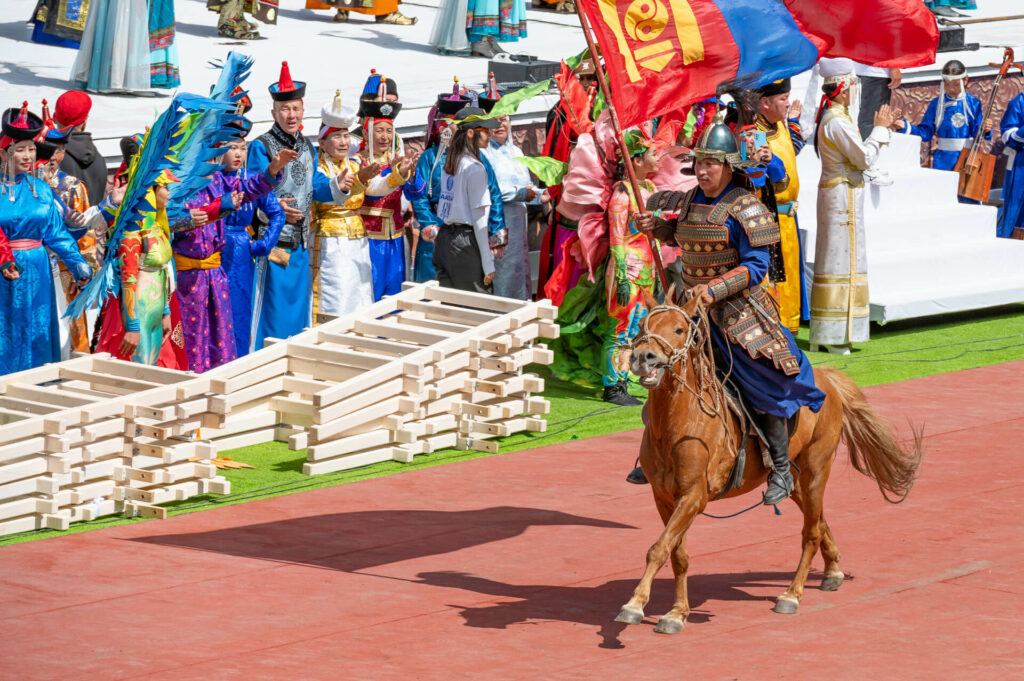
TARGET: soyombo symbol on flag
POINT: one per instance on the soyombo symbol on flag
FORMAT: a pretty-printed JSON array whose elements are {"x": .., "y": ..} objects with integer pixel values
[{"x": 664, "y": 54}]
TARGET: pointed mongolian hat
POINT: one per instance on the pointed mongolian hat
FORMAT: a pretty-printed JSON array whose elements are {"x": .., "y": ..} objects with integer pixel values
[
  {"x": 487, "y": 102},
  {"x": 19, "y": 125},
  {"x": 286, "y": 89},
  {"x": 336, "y": 116}
]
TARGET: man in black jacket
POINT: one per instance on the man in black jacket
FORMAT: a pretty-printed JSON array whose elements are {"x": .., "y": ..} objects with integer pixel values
[{"x": 82, "y": 159}]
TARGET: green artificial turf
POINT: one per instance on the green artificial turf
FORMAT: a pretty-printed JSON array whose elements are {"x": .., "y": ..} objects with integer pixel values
[{"x": 896, "y": 352}]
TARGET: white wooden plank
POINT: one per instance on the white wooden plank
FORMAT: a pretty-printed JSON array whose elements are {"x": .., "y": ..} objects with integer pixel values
[
  {"x": 373, "y": 344},
  {"x": 142, "y": 372}
]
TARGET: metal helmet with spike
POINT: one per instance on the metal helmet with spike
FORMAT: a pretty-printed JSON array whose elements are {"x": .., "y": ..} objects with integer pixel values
[{"x": 719, "y": 143}]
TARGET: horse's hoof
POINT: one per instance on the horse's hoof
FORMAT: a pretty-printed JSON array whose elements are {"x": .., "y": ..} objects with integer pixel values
[
  {"x": 832, "y": 582},
  {"x": 786, "y": 605},
  {"x": 669, "y": 625},
  {"x": 630, "y": 616}
]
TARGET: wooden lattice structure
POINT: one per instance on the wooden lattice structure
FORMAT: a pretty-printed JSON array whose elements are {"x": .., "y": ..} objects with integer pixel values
[{"x": 427, "y": 369}]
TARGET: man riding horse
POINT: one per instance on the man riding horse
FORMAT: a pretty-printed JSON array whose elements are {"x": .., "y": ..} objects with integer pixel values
[{"x": 724, "y": 233}]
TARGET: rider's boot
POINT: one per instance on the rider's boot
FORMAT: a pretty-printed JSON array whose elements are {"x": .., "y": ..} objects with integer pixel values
[
  {"x": 617, "y": 393},
  {"x": 780, "y": 479}
]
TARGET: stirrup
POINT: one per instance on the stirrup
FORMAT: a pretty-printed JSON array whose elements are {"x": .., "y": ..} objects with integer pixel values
[{"x": 786, "y": 486}]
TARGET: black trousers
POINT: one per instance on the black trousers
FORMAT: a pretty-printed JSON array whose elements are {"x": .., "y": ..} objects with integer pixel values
[
  {"x": 874, "y": 92},
  {"x": 457, "y": 259}
]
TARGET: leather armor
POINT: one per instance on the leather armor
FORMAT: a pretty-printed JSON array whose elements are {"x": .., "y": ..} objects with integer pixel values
[{"x": 746, "y": 313}]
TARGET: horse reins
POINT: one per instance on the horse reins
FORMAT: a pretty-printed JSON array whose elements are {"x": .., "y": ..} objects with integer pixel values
[{"x": 707, "y": 364}]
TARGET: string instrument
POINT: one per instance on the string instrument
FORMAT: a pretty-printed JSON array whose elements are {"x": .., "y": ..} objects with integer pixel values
[{"x": 975, "y": 166}]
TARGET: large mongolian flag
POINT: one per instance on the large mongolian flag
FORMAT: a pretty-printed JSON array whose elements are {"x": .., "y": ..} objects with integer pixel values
[{"x": 662, "y": 55}]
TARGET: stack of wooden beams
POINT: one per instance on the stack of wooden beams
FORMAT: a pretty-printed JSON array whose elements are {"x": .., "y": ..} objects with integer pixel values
[
  {"x": 427, "y": 369},
  {"x": 66, "y": 437}
]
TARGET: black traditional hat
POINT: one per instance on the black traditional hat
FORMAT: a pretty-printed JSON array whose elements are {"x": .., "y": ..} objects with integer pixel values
[
  {"x": 781, "y": 86},
  {"x": 449, "y": 104},
  {"x": 20, "y": 124},
  {"x": 240, "y": 128},
  {"x": 488, "y": 100},
  {"x": 487, "y": 103},
  {"x": 369, "y": 108},
  {"x": 286, "y": 89}
]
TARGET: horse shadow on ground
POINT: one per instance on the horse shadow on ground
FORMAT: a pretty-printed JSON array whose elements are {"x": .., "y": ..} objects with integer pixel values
[
  {"x": 360, "y": 540},
  {"x": 596, "y": 606}
]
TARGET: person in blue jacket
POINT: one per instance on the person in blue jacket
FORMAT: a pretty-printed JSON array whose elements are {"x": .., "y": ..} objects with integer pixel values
[
  {"x": 952, "y": 119},
  {"x": 241, "y": 250},
  {"x": 1011, "y": 215},
  {"x": 430, "y": 165}
]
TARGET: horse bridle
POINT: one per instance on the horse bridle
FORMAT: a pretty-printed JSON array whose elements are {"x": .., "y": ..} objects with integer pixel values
[{"x": 674, "y": 354}]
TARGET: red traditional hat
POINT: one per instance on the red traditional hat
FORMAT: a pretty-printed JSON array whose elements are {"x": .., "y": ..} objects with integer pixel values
[
  {"x": 285, "y": 89},
  {"x": 72, "y": 108}
]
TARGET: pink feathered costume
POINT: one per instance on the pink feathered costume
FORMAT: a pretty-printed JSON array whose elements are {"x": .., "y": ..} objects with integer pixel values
[{"x": 586, "y": 190}]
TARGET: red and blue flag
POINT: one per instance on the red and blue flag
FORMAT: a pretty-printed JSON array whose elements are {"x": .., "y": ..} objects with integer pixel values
[{"x": 662, "y": 55}]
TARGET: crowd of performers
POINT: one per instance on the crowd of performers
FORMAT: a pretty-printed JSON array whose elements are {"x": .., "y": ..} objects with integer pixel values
[{"x": 195, "y": 264}]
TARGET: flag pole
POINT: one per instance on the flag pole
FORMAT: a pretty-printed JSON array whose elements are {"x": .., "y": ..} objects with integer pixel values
[{"x": 623, "y": 150}]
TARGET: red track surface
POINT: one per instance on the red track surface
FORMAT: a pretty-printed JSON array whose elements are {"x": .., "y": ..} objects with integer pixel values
[{"x": 512, "y": 567}]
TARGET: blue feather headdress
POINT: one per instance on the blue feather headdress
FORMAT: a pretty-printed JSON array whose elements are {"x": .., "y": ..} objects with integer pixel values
[{"x": 184, "y": 140}]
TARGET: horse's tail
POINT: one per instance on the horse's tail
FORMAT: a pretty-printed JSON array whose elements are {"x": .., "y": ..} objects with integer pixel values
[{"x": 874, "y": 450}]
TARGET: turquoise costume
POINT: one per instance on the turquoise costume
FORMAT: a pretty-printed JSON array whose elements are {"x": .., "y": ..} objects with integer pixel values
[{"x": 31, "y": 218}]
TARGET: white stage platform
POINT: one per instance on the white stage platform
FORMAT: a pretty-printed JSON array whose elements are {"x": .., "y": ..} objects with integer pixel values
[{"x": 927, "y": 253}]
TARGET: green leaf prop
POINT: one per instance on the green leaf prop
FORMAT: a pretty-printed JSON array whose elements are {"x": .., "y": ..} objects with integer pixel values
[
  {"x": 548, "y": 170},
  {"x": 510, "y": 102}
]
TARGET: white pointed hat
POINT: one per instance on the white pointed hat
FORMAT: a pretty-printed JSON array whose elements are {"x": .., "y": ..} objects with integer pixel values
[{"x": 336, "y": 115}]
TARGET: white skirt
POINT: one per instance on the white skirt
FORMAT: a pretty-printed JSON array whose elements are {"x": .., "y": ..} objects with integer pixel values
[
  {"x": 840, "y": 306},
  {"x": 342, "y": 278}
]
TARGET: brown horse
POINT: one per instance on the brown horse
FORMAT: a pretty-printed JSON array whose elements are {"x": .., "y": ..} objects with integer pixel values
[{"x": 689, "y": 446}]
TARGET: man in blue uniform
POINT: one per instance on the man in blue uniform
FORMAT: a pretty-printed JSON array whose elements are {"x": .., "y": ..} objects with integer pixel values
[
  {"x": 724, "y": 234},
  {"x": 953, "y": 119},
  {"x": 1011, "y": 215}
]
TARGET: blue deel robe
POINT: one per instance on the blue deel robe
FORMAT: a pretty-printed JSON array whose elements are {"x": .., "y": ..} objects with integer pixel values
[
  {"x": 240, "y": 253},
  {"x": 425, "y": 208},
  {"x": 29, "y": 334},
  {"x": 283, "y": 300},
  {"x": 766, "y": 388},
  {"x": 1011, "y": 215},
  {"x": 960, "y": 121}
]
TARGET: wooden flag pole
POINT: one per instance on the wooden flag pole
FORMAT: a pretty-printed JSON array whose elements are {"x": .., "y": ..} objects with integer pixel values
[{"x": 626, "y": 161}]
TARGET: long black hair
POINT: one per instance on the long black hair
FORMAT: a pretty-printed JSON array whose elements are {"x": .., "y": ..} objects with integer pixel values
[
  {"x": 830, "y": 91},
  {"x": 461, "y": 144}
]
